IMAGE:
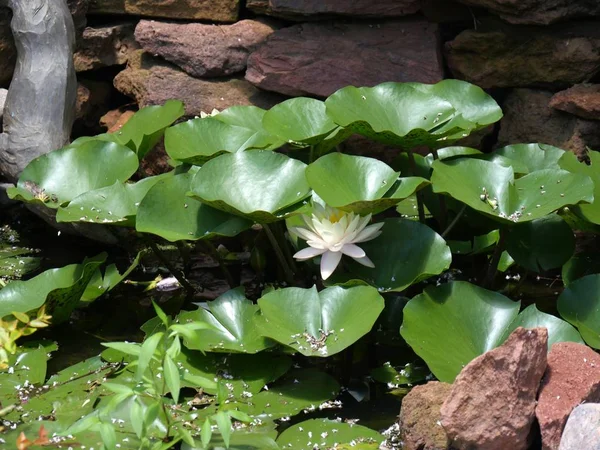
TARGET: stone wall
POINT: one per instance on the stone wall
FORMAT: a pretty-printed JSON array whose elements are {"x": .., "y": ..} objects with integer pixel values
[{"x": 538, "y": 58}]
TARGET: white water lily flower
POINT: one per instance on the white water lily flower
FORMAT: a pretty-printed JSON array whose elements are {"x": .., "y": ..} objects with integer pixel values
[
  {"x": 213, "y": 113},
  {"x": 332, "y": 233}
]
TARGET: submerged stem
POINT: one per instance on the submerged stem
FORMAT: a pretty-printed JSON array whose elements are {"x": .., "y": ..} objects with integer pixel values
[
  {"x": 454, "y": 221},
  {"x": 413, "y": 167},
  {"x": 176, "y": 273},
  {"x": 289, "y": 274},
  {"x": 442, "y": 200},
  {"x": 493, "y": 267}
]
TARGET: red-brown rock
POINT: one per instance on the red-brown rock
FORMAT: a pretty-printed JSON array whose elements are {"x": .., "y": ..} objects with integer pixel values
[
  {"x": 572, "y": 377},
  {"x": 223, "y": 51},
  {"x": 500, "y": 55},
  {"x": 359, "y": 8},
  {"x": 420, "y": 417},
  {"x": 93, "y": 100},
  {"x": 582, "y": 100},
  {"x": 529, "y": 118},
  {"x": 538, "y": 12},
  {"x": 152, "y": 82},
  {"x": 492, "y": 402},
  {"x": 215, "y": 10},
  {"x": 105, "y": 46},
  {"x": 319, "y": 58}
]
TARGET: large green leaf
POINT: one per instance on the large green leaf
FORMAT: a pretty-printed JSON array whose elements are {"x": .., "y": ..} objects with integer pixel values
[
  {"x": 59, "y": 289},
  {"x": 15, "y": 262},
  {"x": 28, "y": 364},
  {"x": 542, "y": 244},
  {"x": 251, "y": 118},
  {"x": 359, "y": 184},
  {"x": 579, "y": 266},
  {"x": 406, "y": 252},
  {"x": 199, "y": 140},
  {"x": 147, "y": 126},
  {"x": 450, "y": 325},
  {"x": 167, "y": 212},
  {"x": 412, "y": 114},
  {"x": 589, "y": 212},
  {"x": 319, "y": 323},
  {"x": 116, "y": 204},
  {"x": 531, "y": 156},
  {"x": 325, "y": 433},
  {"x": 492, "y": 189},
  {"x": 299, "y": 120},
  {"x": 579, "y": 304},
  {"x": 60, "y": 176},
  {"x": 231, "y": 325},
  {"x": 299, "y": 390},
  {"x": 260, "y": 185}
]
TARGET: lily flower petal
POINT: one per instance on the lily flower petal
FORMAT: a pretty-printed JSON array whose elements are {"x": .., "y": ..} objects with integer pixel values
[
  {"x": 305, "y": 234},
  {"x": 329, "y": 263},
  {"x": 369, "y": 233},
  {"x": 365, "y": 261},
  {"x": 309, "y": 252},
  {"x": 354, "y": 251}
]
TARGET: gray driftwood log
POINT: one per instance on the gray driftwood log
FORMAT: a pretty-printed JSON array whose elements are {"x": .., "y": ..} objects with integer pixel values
[{"x": 40, "y": 106}]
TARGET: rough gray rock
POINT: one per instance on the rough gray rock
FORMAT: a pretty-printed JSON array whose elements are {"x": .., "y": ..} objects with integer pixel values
[
  {"x": 492, "y": 402},
  {"x": 3, "y": 94},
  {"x": 528, "y": 117},
  {"x": 420, "y": 416},
  {"x": 358, "y": 54},
  {"x": 538, "y": 12},
  {"x": 40, "y": 105},
  {"x": 224, "y": 49},
  {"x": 501, "y": 55},
  {"x": 583, "y": 429},
  {"x": 105, "y": 46},
  {"x": 151, "y": 81}
]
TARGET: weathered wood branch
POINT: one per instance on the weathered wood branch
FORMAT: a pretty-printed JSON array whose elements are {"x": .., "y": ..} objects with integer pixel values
[{"x": 40, "y": 106}]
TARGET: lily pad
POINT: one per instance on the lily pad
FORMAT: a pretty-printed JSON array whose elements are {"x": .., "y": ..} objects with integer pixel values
[
  {"x": 16, "y": 262},
  {"x": 100, "y": 284},
  {"x": 251, "y": 118},
  {"x": 116, "y": 204},
  {"x": 299, "y": 120},
  {"x": 325, "y": 433},
  {"x": 60, "y": 176},
  {"x": 492, "y": 189},
  {"x": 167, "y": 212},
  {"x": 232, "y": 327},
  {"x": 579, "y": 304},
  {"x": 319, "y": 323},
  {"x": 579, "y": 266},
  {"x": 147, "y": 126},
  {"x": 412, "y": 114},
  {"x": 406, "y": 252},
  {"x": 59, "y": 289},
  {"x": 589, "y": 212},
  {"x": 542, "y": 244},
  {"x": 359, "y": 184},
  {"x": 409, "y": 374},
  {"x": 532, "y": 156},
  {"x": 479, "y": 244},
  {"x": 260, "y": 185},
  {"x": 450, "y": 325},
  {"x": 199, "y": 140}
]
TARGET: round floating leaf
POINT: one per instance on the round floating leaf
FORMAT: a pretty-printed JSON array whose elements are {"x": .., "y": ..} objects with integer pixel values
[
  {"x": 299, "y": 390},
  {"x": 147, "y": 126},
  {"x": 59, "y": 289},
  {"x": 412, "y": 114},
  {"x": 167, "y": 212},
  {"x": 478, "y": 245},
  {"x": 558, "y": 330},
  {"x": 532, "y": 156},
  {"x": 251, "y": 118},
  {"x": 116, "y": 204},
  {"x": 319, "y": 323},
  {"x": 589, "y": 212},
  {"x": 62, "y": 175},
  {"x": 406, "y": 252},
  {"x": 359, "y": 184},
  {"x": 299, "y": 120},
  {"x": 409, "y": 374},
  {"x": 232, "y": 327},
  {"x": 579, "y": 304},
  {"x": 325, "y": 433},
  {"x": 450, "y": 325},
  {"x": 542, "y": 244},
  {"x": 261, "y": 185},
  {"x": 199, "y": 140},
  {"x": 579, "y": 266},
  {"x": 491, "y": 189}
]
